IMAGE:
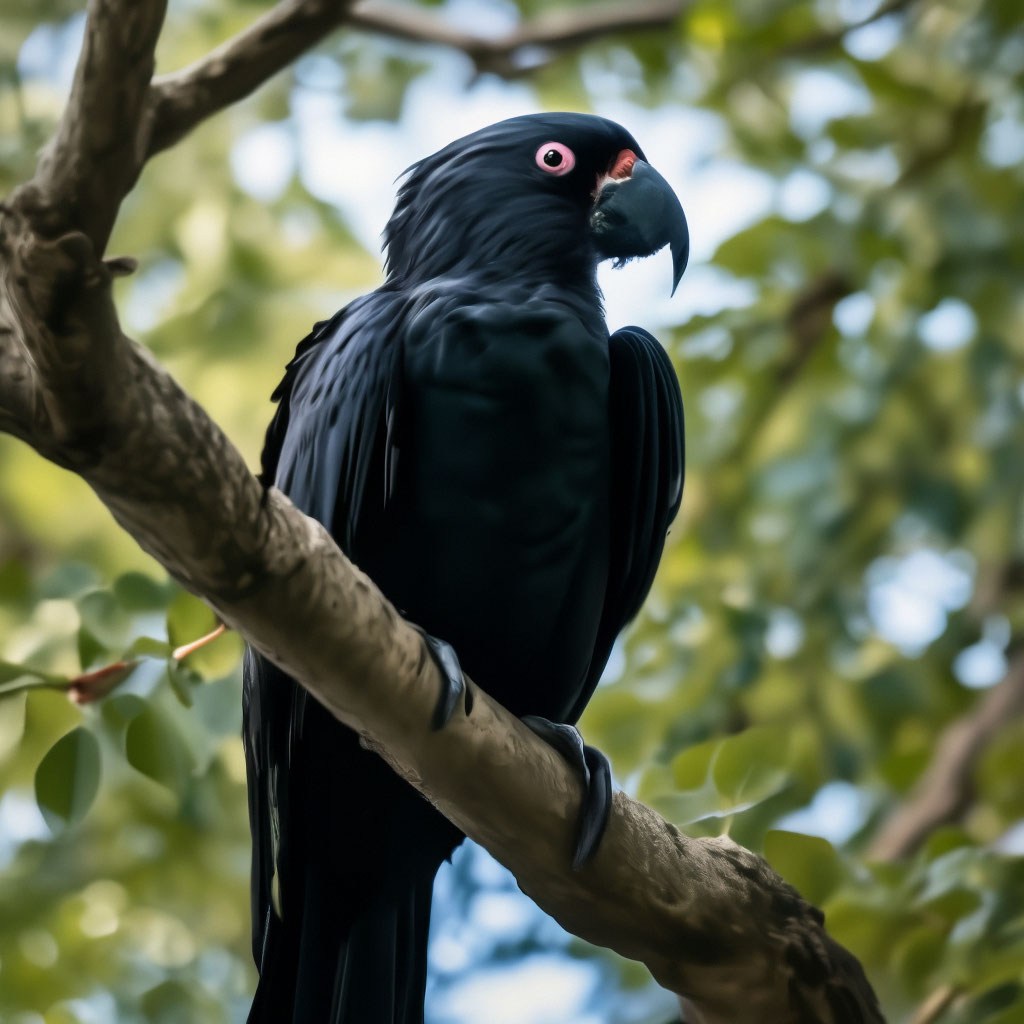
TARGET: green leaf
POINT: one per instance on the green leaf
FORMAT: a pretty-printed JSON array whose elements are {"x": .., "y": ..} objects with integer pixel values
[
  {"x": 188, "y": 619},
  {"x": 15, "y": 583},
  {"x": 809, "y": 863},
  {"x": 723, "y": 777},
  {"x": 155, "y": 747},
  {"x": 182, "y": 679},
  {"x": 692, "y": 767},
  {"x": 949, "y": 874},
  {"x": 137, "y": 592},
  {"x": 68, "y": 779},
  {"x": 751, "y": 766},
  {"x": 105, "y": 619},
  {"x": 68, "y": 580},
  {"x": 119, "y": 711},
  {"x": 169, "y": 1003},
  {"x": 9, "y": 670},
  {"x": 148, "y": 647},
  {"x": 12, "y": 723},
  {"x": 919, "y": 956},
  {"x": 18, "y": 678},
  {"x": 90, "y": 650}
]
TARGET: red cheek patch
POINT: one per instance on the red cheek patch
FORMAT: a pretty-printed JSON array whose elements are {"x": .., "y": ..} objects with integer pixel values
[{"x": 623, "y": 166}]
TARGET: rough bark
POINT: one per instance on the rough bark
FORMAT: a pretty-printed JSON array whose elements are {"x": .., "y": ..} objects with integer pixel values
[{"x": 711, "y": 920}]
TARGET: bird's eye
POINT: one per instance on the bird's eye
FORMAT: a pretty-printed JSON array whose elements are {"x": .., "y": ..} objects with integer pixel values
[{"x": 555, "y": 158}]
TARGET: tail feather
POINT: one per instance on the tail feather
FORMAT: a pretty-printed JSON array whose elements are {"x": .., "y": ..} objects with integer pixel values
[
  {"x": 382, "y": 974},
  {"x": 344, "y": 858},
  {"x": 376, "y": 975}
]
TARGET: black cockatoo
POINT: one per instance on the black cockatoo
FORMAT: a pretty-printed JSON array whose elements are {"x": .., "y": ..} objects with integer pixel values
[{"x": 506, "y": 473}]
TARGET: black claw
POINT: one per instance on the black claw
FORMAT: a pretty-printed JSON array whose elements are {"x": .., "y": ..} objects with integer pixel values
[
  {"x": 597, "y": 807},
  {"x": 453, "y": 683},
  {"x": 595, "y": 771},
  {"x": 566, "y": 739}
]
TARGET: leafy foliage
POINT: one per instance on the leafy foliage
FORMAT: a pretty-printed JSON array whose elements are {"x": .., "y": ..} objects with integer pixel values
[{"x": 844, "y": 581}]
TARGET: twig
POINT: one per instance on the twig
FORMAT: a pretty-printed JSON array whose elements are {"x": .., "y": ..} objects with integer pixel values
[
  {"x": 943, "y": 792},
  {"x": 194, "y": 645},
  {"x": 92, "y": 686},
  {"x": 935, "y": 1005},
  {"x": 809, "y": 320},
  {"x": 825, "y": 40}
]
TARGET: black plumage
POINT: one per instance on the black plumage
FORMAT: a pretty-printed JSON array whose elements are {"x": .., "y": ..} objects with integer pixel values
[{"x": 506, "y": 472}]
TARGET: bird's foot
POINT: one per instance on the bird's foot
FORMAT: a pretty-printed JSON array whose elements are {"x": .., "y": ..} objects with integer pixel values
[
  {"x": 595, "y": 771},
  {"x": 591, "y": 765},
  {"x": 453, "y": 682}
]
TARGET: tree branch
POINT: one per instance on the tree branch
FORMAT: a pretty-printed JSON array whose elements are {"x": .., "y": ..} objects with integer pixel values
[
  {"x": 182, "y": 99},
  {"x": 17, "y": 385},
  {"x": 551, "y": 32},
  {"x": 826, "y": 40},
  {"x": 95, "y": 156},
  {"x": 935, "y": 1005},
  {"x": 943, "y": 792}
]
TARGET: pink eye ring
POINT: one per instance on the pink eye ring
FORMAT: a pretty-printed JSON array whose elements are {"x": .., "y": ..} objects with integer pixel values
[{"x": 555, "y": 158}]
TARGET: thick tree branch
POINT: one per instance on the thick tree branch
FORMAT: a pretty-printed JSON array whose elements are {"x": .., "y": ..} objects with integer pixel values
[
  {"x": 97, "y": 153},
  {"x": 944, "y": 791},
  {"x": 239, "y": 66},
  {"x": 17, "y": 385},
  {"x": 712, "y": 921}
]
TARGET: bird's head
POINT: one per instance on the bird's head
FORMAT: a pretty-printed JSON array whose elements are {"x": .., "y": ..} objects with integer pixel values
[{"x": 553, "y": 193}]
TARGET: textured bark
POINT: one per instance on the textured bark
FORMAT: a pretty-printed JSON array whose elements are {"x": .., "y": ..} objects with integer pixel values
[
  {"x": 181, "y": 100},
  {"x": 712, "y": 921}
]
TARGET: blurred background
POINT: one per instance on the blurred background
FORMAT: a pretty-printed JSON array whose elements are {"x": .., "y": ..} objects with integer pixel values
[{"x": 828, "y": 666}]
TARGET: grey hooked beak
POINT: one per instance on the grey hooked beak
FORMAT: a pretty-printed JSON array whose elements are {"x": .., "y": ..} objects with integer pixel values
[{"x": 639, "y": 215}]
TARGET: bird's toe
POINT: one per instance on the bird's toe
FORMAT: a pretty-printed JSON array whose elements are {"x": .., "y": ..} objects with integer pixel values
[{"x": 594, "y": 770}]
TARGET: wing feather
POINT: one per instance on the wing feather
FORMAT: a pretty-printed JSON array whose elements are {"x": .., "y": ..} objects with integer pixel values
[
  {"x": 323, "y": 446},
  {"x": 319, "y": 450},
  {"x": 647, "y": 456}
]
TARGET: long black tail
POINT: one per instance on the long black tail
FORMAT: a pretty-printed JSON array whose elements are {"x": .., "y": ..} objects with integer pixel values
[
  {"x": 377, "y": 973},
  {"x": 344, "y": 858}
]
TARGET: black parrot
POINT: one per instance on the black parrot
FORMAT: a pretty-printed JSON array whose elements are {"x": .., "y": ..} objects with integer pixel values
[{"x": 506, "y": 472}]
